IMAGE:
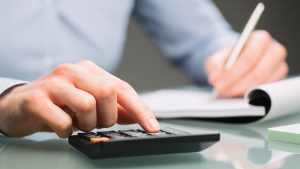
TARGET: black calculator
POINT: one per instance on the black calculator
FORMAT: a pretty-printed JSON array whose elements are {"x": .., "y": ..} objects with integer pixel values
[{"x": 124, "y": 143}]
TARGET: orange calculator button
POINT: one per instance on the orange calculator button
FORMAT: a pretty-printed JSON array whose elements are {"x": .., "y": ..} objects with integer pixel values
[{"x": 98, "y": 139}]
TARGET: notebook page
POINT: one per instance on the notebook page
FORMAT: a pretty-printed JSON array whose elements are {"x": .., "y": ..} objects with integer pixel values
[
  {"x": 284, "y": 96},
  {"x": 198, "y": 104}
]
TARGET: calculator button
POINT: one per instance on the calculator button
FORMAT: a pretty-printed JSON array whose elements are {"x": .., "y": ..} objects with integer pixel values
[
  {"x": 87, "y": 135},
  {"x": 134, "y": 133},
  {"x": 112, "y": 134},
  {"x": 160, "y": 133},
  {"x": 98, "y": 139},
  {"x": 174, "y": 131}
]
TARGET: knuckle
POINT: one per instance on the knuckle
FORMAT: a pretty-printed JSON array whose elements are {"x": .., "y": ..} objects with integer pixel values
[
  {"x": 88, "y": 104},
  {"x": 87, "y": 62},
  {"x": 264, "y": 35},
  {"x": 281, "y": 51},
  {"x": 125, "y": 86},
  {"x": 108, "y": 89},
  {"x": 65, "y": 68},
  {"x": 262, "y": 38},
  {"x": 286, "y": 69},
  {"x": 50, "y": 83}
]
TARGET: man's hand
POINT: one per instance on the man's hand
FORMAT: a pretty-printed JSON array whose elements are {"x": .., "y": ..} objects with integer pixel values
[
  {"x": 81, "y": 95},
  {"x": 262, "y": 60}
]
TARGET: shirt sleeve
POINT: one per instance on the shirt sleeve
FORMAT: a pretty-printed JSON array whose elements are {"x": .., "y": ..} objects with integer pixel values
[
  {"x": 6, "y": 83},
  {"x": 185, "y": 31}
]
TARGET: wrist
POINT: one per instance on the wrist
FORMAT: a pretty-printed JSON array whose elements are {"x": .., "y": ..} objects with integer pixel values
[{"x": 2, "y": 95}]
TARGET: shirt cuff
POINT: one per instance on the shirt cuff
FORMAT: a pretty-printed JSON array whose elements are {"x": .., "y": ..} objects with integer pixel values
[{"x": 7, "y": 83}]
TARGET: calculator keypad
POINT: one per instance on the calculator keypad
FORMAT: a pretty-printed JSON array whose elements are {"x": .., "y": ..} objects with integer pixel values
[
  {"x": 160, "y": 133},
  {"x": 87, "y": 135},
  {"x": 134, "y": 133},
  {"x": 123, "y": 134},
  {"x": 112, "y": 134},
  {"x": 174, "y": 131}
]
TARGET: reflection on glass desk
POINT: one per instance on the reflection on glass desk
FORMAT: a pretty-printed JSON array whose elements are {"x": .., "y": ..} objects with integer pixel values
[{"x": 241, "y": 147}]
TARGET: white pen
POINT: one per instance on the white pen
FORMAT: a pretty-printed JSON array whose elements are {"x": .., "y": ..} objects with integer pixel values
[{"x": 253, "y": 20}]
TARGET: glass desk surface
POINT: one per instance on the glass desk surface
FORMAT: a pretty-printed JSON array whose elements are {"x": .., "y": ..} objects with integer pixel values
[{"x": 241, "y": 147}]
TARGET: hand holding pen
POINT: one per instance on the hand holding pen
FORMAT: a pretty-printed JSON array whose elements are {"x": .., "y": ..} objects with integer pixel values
[{"x": 255, "y": 59}]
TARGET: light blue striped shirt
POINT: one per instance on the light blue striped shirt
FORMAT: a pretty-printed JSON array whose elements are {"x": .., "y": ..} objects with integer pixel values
[{"x": 37, "y": 35}]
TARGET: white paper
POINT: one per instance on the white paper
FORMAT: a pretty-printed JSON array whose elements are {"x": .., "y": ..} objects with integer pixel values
[
  {"x": 284, "y": 95},
  {"x": 198, "y": 104}
]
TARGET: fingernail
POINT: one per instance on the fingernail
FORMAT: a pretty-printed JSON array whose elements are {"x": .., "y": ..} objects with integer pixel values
[{"x": 153, "y": 124}]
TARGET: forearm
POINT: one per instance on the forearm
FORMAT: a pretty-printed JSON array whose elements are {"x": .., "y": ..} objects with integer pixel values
[
  {"x": 186, "y": 32},
  {"x": 194, "y": 64}
]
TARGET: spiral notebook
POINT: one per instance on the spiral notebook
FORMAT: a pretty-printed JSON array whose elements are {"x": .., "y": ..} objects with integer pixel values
[{"x": 266, "y": 101}]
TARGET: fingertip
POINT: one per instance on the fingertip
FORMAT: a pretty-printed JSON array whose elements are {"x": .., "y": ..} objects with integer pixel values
[
  {"x": 223, "y": 93},
  {"x": 154, "y": 125},
  {"x": 151, "y": 126},
  {"x": 233, "y": 92},
  {"x": 64, "y": 135}
]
